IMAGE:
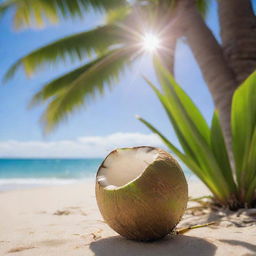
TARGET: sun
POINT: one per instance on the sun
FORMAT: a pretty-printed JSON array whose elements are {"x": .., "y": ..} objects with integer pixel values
[{"x": 150, "y": 42}]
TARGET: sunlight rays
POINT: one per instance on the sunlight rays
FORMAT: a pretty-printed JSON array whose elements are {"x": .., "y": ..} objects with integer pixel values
[{"x": 150, "y": 42}]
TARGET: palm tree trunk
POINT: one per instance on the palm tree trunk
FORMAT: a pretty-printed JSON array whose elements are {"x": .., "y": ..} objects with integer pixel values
[
  {"x": 238, "y": 34},
  {"x": 218, "y": 75}
]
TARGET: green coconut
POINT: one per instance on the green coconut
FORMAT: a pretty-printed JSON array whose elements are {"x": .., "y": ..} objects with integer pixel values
[{"x": 141, "y": 192}]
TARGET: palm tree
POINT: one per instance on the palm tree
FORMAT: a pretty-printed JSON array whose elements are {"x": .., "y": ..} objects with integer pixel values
[
  {"x": 117, "y": 43},
  {"x": 112, "y": 47}
]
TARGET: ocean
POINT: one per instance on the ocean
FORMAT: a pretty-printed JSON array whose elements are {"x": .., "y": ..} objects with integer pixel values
[{"x": 27, "y": 173}]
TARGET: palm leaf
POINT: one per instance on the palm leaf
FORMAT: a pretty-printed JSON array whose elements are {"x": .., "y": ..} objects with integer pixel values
[
  {"x": 36, "y": 13},
  {"x": 168, "y": 84},
  {"x": 250, "y": 191},
  {"x": 186, "y": 159},
  {"x": 73, "y": 47},
  {"x": 220, "y": 151},
  {"x": 103, "y": 71},
  {"x": 187, "y": 121},
  {"x": 186, "y": 147},
  {"x": 203, "y": 154},
  {"x": 243, "y": 122},
  {"x": 61, "y": 83},
  {"x": 250, "y": 175},
  {"x": 117, "y": 14}
]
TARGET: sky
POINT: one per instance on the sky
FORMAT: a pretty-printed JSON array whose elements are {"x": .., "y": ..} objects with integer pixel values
[{"x": 105, "y": 123}]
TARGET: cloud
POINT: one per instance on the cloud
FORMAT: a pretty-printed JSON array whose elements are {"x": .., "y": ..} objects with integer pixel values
[{"x": 90, "y": 146}]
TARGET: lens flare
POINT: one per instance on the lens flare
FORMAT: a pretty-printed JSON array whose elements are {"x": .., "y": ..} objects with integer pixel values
[{"x": 150, "y": 42}]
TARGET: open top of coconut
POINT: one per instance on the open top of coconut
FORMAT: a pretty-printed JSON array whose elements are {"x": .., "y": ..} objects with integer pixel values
[{"x": 124, "y": 165}]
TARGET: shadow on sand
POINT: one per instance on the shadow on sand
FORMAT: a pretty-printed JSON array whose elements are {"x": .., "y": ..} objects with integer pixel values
[
  {"x": 171, "y": 246},
  {"x": 246, "y": 245}
]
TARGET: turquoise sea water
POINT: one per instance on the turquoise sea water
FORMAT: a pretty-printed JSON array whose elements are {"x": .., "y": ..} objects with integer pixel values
[{"x": 23, "y": 173}]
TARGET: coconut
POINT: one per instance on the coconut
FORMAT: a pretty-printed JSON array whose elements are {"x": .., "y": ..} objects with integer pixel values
[{"x": 141, "y": 192}]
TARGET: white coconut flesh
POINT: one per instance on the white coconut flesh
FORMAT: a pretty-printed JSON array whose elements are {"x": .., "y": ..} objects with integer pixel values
[{"x": 124, "y": 166}]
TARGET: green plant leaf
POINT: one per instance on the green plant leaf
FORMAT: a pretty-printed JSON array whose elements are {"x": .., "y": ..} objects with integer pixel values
[
  {"x": 185, "y": 116},
  {"x": 168, "y": 84},
  {"x": 187, "y": 126},
  {"x": 243, "y": 122},
  {"x": 188, "y": 161},
  {"x": 205, "y": 151},
  {"x": 186, "y": 147},
  {"x": 220, "y": 151},
  {"x": 251, "y": 160},
  {"x": 201, "y": 149},
  {"x": 250, "y": 191},
  {"x": 250, "y": 170}
]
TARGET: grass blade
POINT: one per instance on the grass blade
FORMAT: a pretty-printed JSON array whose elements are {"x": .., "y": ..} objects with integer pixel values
[
  {"x": 220, "y": 150},
  {"x": 189, "y": 162},
  {"x": 170, "y": 86},
  {"x": 243, "y": 121}
]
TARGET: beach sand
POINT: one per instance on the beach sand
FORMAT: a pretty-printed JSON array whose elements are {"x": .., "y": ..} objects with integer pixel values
[{"x": 65, "y": 221}]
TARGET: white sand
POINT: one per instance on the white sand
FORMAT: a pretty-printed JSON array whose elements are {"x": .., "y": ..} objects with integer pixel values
[{"x": 65, "y": 220}]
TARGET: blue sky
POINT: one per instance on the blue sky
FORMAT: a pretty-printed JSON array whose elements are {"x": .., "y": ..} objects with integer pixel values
[{"x": 113, "y": 113}]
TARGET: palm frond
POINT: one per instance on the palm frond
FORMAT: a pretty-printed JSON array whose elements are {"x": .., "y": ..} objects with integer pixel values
[
  {"x": 3, "y": 8},
  {"x": 73, "y": 47},
  {"x": 117, "y": 14},
  {"x": 61, "y": 83},
  {"x": 202, "y": 5},
  {"x": 31, "y": 13},
  {"x": 88, "y": 84}
]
